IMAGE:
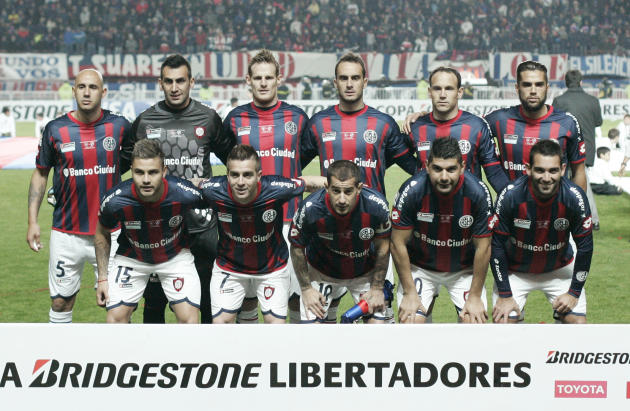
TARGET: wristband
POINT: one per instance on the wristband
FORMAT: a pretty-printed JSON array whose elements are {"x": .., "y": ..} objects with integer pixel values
[{"x": 100, "y": 281}]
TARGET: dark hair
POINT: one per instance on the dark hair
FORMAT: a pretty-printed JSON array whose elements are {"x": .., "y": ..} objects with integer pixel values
[
  {"x": 451, "y": 70},
  {"x": 5, "y": 109},
  {"x": 243, "y": 152},
  {"x": 344, "y": 170},
  {"x": 147, "y": 148},
  {"x": 351, "y": 58},
  {"x": 547, "y": 148},
  {"x": 446, "y": 147},
  {"x": 572, "y": 78},
  {"x": 601, "y": 151},
  {"x": 613, "y": 132},
  {"x": 263, "y": 56},
  {"x": 174, "y": 61},
  {"x": 530, "y": 65}
]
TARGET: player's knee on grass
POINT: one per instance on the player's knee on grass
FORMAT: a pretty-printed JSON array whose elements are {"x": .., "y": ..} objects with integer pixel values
[
  {"x": 120, "y": 314},
  {"x": 574, "y": 319},
  {"x": 249, "y": 311},
  {"x": 61, "y": 304},
  {"x": 272, "y": 319},
  {"x": 224, "y": 318},
  {"x": 186, "y": 313}
]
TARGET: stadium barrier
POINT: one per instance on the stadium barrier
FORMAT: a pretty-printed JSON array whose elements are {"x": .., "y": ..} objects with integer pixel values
[
  {"x": 439, "y": 366},
  {"x": 25, "y": 110}
]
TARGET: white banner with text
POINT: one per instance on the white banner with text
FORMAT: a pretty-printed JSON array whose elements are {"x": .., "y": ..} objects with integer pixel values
[{"x": 289, "y": 367}]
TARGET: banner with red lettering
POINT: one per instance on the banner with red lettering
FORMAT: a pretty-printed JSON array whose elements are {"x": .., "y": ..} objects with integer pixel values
[{"x": 503, "y": 65}]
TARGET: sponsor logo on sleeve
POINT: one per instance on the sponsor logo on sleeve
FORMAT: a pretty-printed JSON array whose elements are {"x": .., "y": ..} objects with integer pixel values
[
  {"x": 582, "y": 148},
  {"x": 492, "y": 221},
  {"x": 587, "y": 223}
]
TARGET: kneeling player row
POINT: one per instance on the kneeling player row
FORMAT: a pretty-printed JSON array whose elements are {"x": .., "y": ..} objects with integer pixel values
[{"x": 340, "y": 237}]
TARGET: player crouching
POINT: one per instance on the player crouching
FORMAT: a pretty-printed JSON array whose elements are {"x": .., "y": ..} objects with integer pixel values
[{"x": 153, "y": 239}]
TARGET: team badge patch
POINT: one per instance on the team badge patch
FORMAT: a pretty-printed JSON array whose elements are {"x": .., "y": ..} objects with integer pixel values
[
  {"x": 269, "y": 215},
  {"x": 366, "y": 233},
  {"x": 329, "y": 136},
  {"x": 109, "y": 144},
  {"x": 492, "y": 221},
  {"x": 519, "y": 222},
  {"x": 464, "y": 146},
  {"x": 154, "y": 132},
  {"x": 561, "y": 224},
  {"x": 175, "y": 221},
  {"x": 65, "y": 147},
  {"x": 466, "y": 221},
  {"x": 582, "y": 148},
  {"x": 243, "y": 131},
  {"x": 200, "y": 131},
  {"x": 587, "y": 223},
  {"x": 290, "y": 127},
  {"x": 426, "y": 217},
  {"x": 424, "y": 145},
  {"x": 178, "y": 283},
  {"x": 225, "y": 217},
  {"x": 268, "y": 292},
  {"x": 370, "y": 136},
  {"x": 395, "y": 216},
  {"x": 133, "y": 225},
  {"x": 581, "y": 275},
  {"x": 510, "y": 138}
]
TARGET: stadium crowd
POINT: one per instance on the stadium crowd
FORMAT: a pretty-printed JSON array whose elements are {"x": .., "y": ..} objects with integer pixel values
[{"x": 469, "y": 29}]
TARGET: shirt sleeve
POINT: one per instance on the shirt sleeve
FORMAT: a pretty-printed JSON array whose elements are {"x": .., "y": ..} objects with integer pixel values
[
  {"x": 46, "y": 154},
  {"x": 398, "y": 150},
  {"x": 483, "y": 213},
  {"x": 221, "y": 143},
  {"x": 490, "y": 161},
  {"x": 308, "y": 146},
  {"x": 576, "y": 149}
]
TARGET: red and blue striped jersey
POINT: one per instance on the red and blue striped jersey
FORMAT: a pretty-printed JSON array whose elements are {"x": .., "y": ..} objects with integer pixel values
[
  {"x": 368, "y": 137},
  {"x": 151, "y": 232},
  {"x": 475, "y": 142},
  {"x": 250, "y": 235},
  {"x": 275, "y": 134},
  {"x": 341, "y": 246},
  {"x": 88, "y": 160},
  {"x": 443, "y": 225},
  {"x": 516, "y": 134},
  {"x": 532, "y": 236}
]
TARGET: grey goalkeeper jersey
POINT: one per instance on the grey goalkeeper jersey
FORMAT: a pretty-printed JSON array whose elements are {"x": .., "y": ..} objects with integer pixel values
[{"x": 187, "y": 137}]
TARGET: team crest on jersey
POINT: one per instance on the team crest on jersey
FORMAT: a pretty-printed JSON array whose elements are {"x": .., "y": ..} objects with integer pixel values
[
  {"x": 178, "y": 283},
  {"x": 225, "y": 217},
  {"x": 349, "y": 135},
  {"x": 561, "y": 224},
  {"x": 466, "y": 221},
  {"x": 520, "y": 223},
  {"x": 581, "y": 275},
  {"x": 366, "y": 233},
  {"x": 329, "y": 136},
  {"x": 175, "y": 221},
  {"x": 294, "y": 232},
  {"x": 587, "y": 223},
  {"x": 133, "y": 225},
  {"x": 200, "y": 131},
  {"x": 370, "y": 136},
  {"x": 176, "y": 133},
  {"x": 426, "y": 217},
  {"x": 269, "y": 215},
  {"x": 243, "y": 131},
  {"x": 464, "y": 146},
  {"x": 265, "y": 129},
  {"x": 529, "y": 141},
  {"x": 109, "y": 144},
  {"x": 290, "y": 128},
  {"x": 510, "y": 138},
  {"x": 325, "y": 236},
  {"x": 88, "y": 145},
  {"x": 268, "y": 292},
  {"x": 395, "y": 216},
  {"x": 154, "y": 132},
  {"x": 424, "y": 145},
  {"x": 66, "y": 147}
]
